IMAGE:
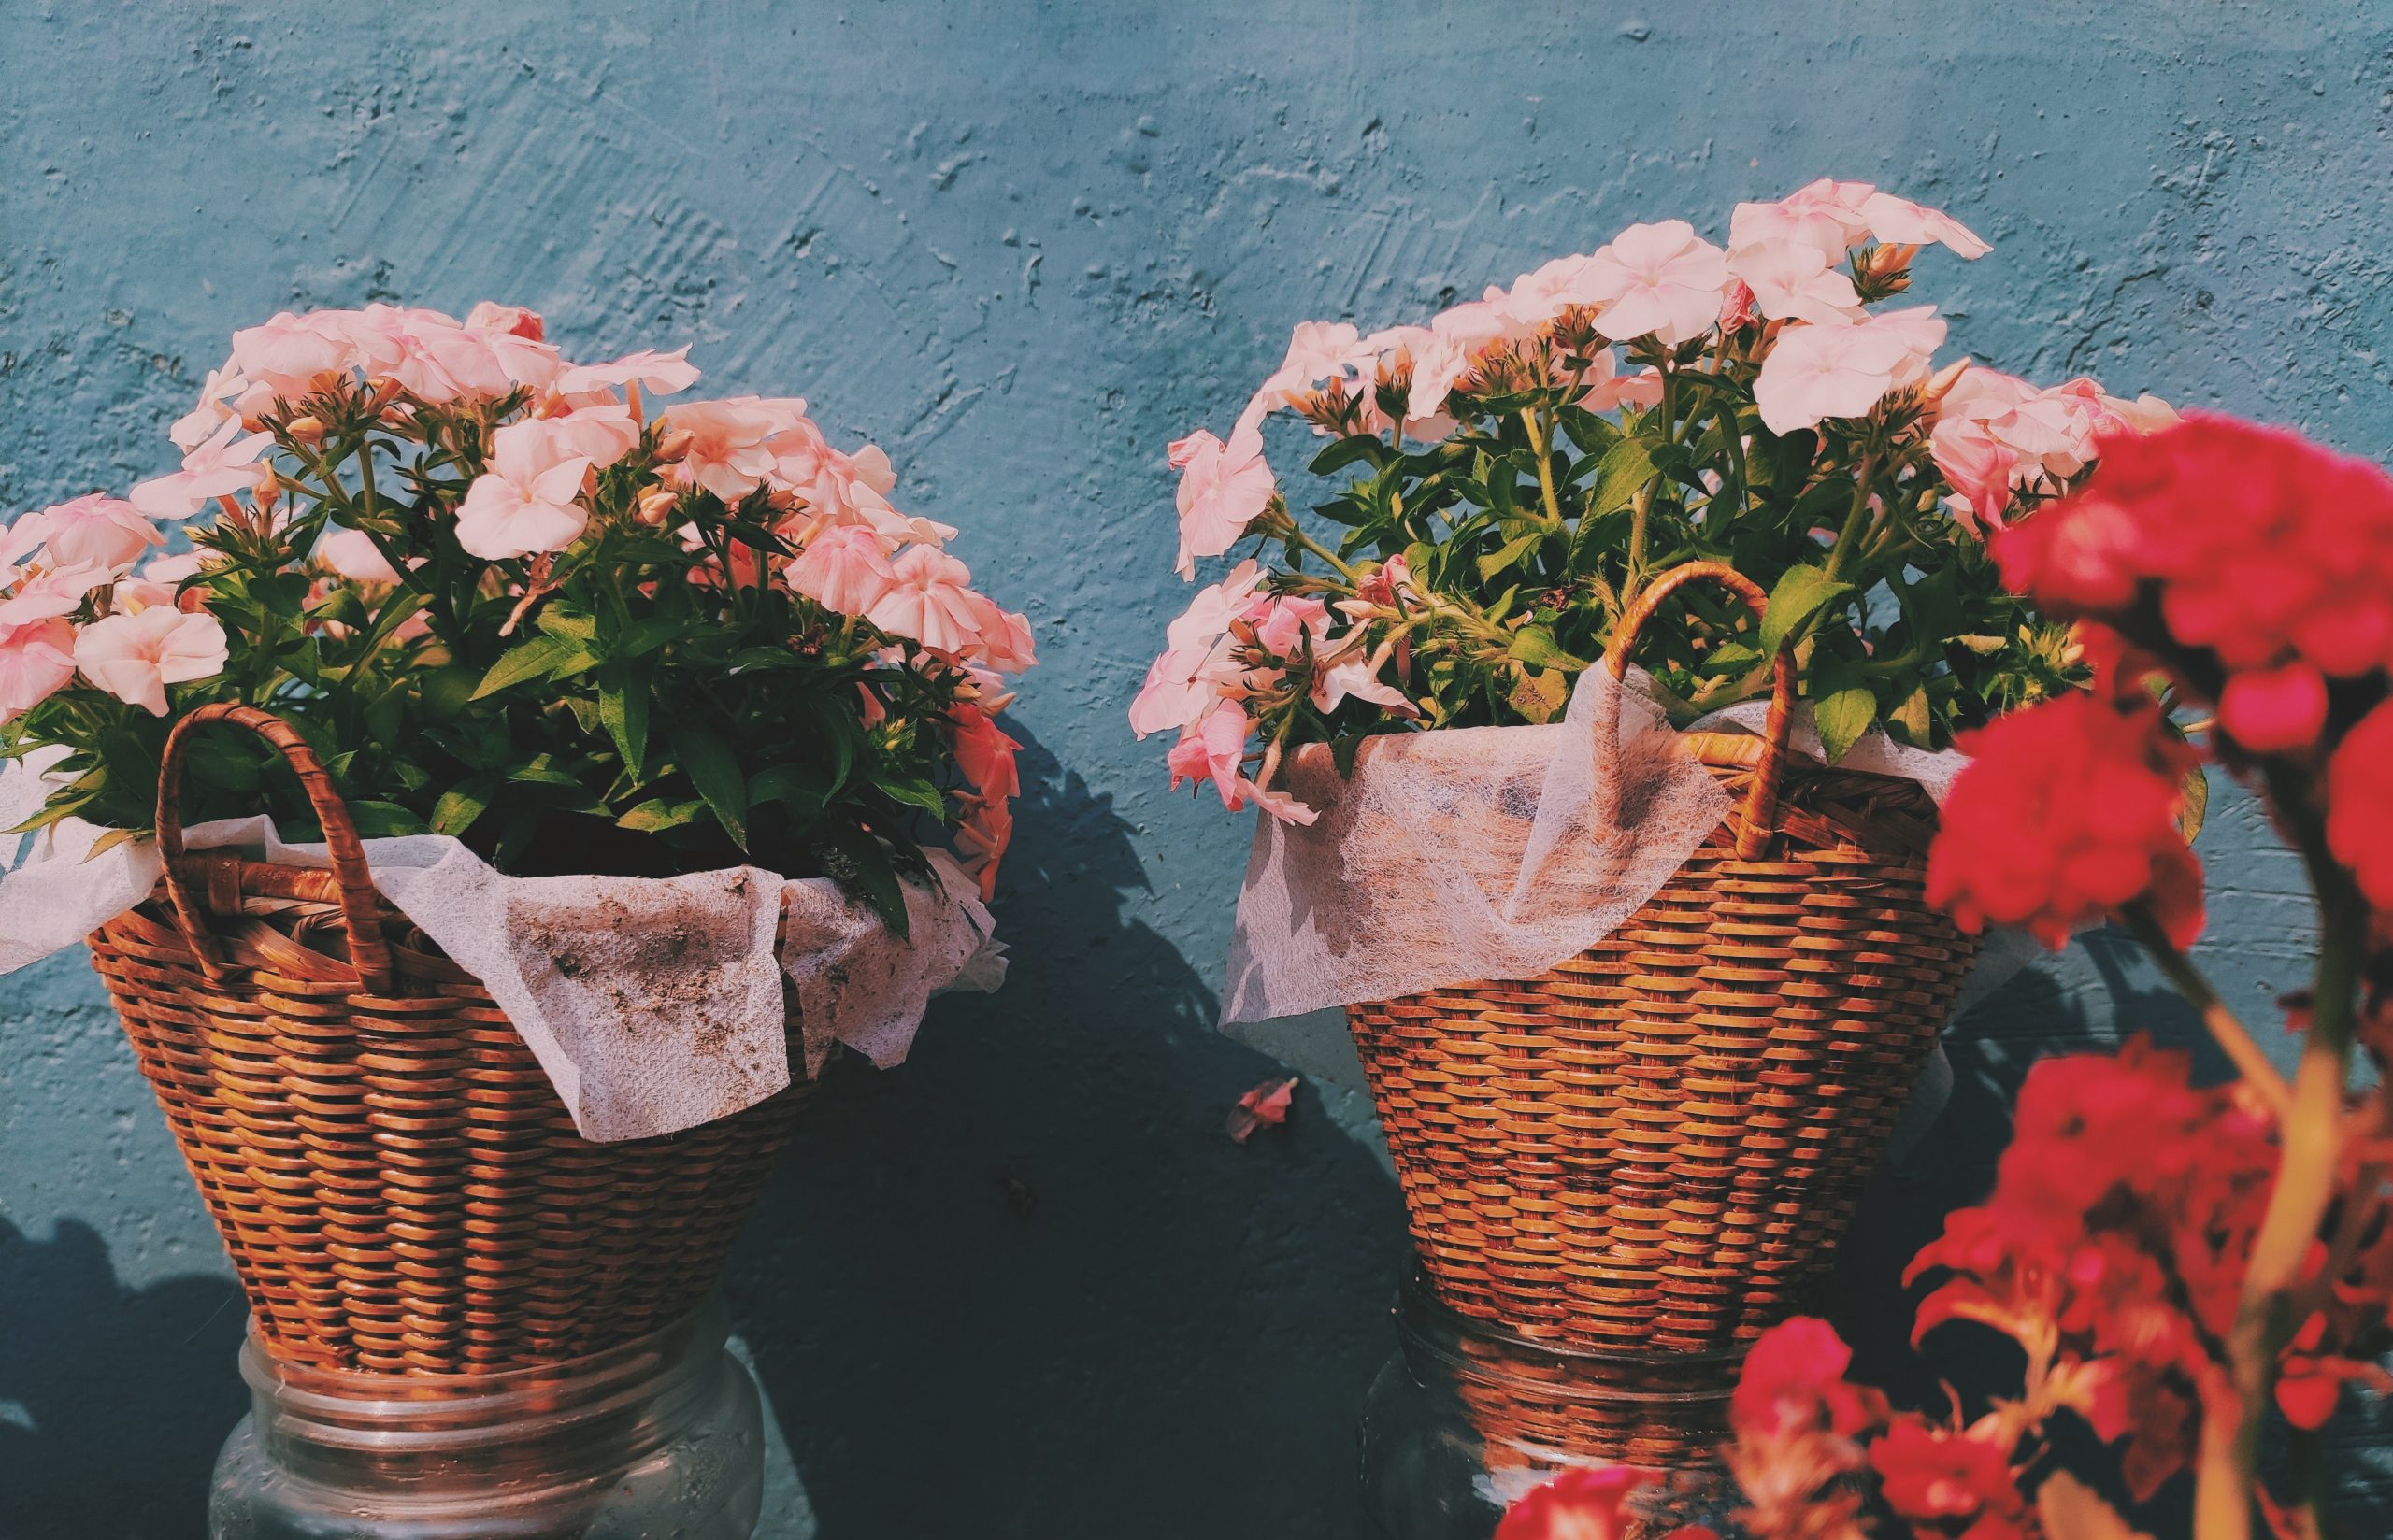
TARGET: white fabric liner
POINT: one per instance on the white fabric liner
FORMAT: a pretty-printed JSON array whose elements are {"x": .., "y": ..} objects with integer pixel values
[
  {"x": 653, "y": 1005},
  {"x": 1496, "y": 852}
]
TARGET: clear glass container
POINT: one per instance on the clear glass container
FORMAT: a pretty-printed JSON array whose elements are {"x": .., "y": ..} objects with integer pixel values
[
  {"x": 662, "y": 1437},
  {"x": 1466, "y": 1417}
]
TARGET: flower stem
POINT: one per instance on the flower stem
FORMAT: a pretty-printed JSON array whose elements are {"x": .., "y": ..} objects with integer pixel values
[
  {"x": 2220, "y": 1021},
  {"x": 1542, "y": 443}
]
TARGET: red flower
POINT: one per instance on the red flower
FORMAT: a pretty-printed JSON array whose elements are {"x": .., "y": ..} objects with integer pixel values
[
  {"x": 1794, "y": 1378},
  {"x": 2067, "y": 813},
  {"x": 1939, "y": 1476},
  {"x": 2359, "y": 804},
  {"x": 2260, "y": 546}
]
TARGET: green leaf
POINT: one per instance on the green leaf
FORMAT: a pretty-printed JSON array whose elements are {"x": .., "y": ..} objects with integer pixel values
[
  {"x": 1625, "y": 468},
  {"x": 463, "y": 802},
  {"x": 658, "y": 814},
  {"x": 379, "y": 820},
  {"x": 1842, "y": 707},
  {"x": 623, "y": 709},
  {"x": 1508, "y": 554},
  {"x": 1534, "y": 646},
  {"x": 537, "y": 659},
  {"x": 911, "y": 790},
  {"x": 1346, "y": 451},
  {"x": 861, "y": 863},
  {"x": 2195, "y": 809},
  {"x": 714, "y": 771},
  {"x": 1540, "y": 694},
  {"x": 1802, "y": 593},
  {"x": 1915, "y": 718}
]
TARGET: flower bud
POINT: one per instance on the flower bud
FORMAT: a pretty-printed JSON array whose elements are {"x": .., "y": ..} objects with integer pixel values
[
  {"x": 656, "y": 506},
  {"x": 307, "y": 430},
  {"x": 673, "y": 446},
  {"x": 1941, "y": 382}
]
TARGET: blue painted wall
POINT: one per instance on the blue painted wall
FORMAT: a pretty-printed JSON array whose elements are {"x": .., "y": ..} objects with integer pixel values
[{"x": 1024, "y": 1287}]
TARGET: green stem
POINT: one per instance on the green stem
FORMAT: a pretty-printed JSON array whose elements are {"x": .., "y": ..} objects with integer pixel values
[
  {"x": 1855, "y": 519},
  {"x": 1638, "y": 513},
  {"x": 1542, "y": 442}
]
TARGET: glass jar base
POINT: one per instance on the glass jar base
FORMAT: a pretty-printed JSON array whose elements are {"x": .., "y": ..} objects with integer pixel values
[
  {"x": 1466, "y": 1418},
  {"x": 664, "y": 1436}
]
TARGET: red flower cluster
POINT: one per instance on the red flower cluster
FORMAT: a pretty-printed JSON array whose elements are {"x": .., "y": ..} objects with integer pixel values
[
  {"x": 1949, "y": 1481},
  {"x": 1587, "y": 1505},
  {"x": 2265, "y": 550},
  {"x": 2113, "y": 1250},
  {"x": 2067, "y": 813}
]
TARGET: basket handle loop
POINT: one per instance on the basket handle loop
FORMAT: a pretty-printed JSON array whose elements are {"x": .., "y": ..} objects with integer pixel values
[
  {"x": 1761, "y": 802},
  {"x": 359, "y": 914}
]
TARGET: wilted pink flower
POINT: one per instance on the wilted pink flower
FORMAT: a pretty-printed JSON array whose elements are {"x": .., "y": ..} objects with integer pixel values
[
  {"x": 1814, "y": 373},
  {"x": 1893, "y": 219},
  {"x": 843, "y": 569},
  {"x": 659, "y": 374},
  {"x": 134, "y": 657},
  {"x": 222, "y": 466},
  {"x": 191, "y": 428},
  {"x": 930, "y": 600},
  {"x": 353, "y": 554},
  {"x": 526, "y": 501},
  {"x": 1790, "y": 281},
  {"x": 1354, "y": 677},
  {"x": 490, "y": 316},
  {"x": 1659, "y": 278},
  {"x": 35, "y": 660},
  {"x": 1223, "y": 489},
  {"x": 1005, "y": 642},
  {"x": 984, "y": 753},
  {"x": 92, "y": 531}
]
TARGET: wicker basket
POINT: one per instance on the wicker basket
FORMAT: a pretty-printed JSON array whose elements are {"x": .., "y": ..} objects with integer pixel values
[
  {"x": 1656, "y": 1146},
  {"x": 400, "y": 1186}
]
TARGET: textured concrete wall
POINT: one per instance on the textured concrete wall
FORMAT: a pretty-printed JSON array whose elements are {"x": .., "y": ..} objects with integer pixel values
[{"x": 1024, "y": 1287}]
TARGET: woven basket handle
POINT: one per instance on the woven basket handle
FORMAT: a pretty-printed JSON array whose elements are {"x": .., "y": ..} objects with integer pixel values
[
  {"x": 359, "y": 914},
  {"x": 1761, "y": 802}
]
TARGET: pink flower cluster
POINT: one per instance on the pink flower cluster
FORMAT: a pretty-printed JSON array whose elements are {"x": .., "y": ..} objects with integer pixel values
[
  {"x": 1784, "y": 297},
  {"x": 73, "y": 597},
  {"x": 87, "y": 556}
]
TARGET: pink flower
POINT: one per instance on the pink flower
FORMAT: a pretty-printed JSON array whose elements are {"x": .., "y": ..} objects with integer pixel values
[
  {"x": 1825, "y": 216},
  {"x": 1287, "y": 625},
  {"x": 601, "y": 434},
  {"x": 92, "y": 531},
  {"x": 1183, "y": 684},
  {"x": 1814, "y": 373},
  {"x": 929, "y": 600},
  {"x": 441, "y": 360},
  {"x": 61, "y": 591},
  {"x": 224, "y": 464},
  {"x": 727, "y": 454},
  {"x": 1608, "y": 390},
  {"x": 1224, "y": 488},
  {"x": 1353, "y": 677},
  {"x": 870, "y": 465},
  {"x": 134, "y": 657},
  {"x": 526, "y": 500},
  {"x": 1791, "y": 280},
  {"x": 659, "y": 374},
  {"x": 843, "y": 569},
  {"x": 1893, "y": 219},
  {"x": 1317, "y": 349},
  {"x": 287, "y": 353},
  {"x": 1659, "y": 278},
  {"x": 36, "y": 659},
  {"x": 353, "y": 554},
  {"x": 1978, "y": 465}
]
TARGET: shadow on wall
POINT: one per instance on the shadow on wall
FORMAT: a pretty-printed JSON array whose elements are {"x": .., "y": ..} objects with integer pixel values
[
  {"x": 1026, "y": 1285},
  {"x": 113, "y": 1401}
]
